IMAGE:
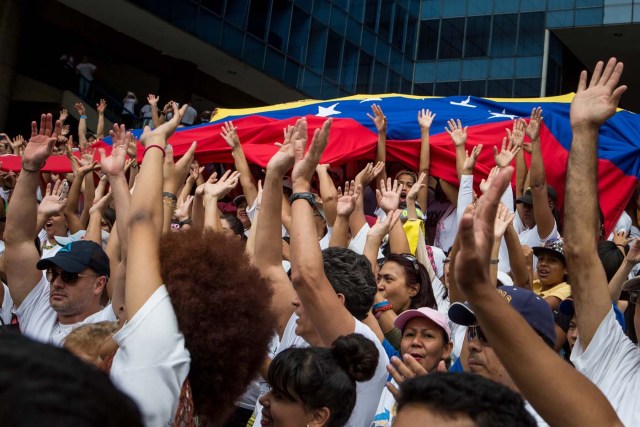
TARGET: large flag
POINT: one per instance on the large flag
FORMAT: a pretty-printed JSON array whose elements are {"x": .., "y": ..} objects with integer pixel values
[{"x": 353, "y": 137}]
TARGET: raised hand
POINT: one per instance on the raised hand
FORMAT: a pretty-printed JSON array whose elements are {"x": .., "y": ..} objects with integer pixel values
[
  {"x": 113, "y": 164},
  {"x": 412, "y": 194},
  {"x": 159, "y": 135},
  {"x": 54, "y": 200},
  {"x": 425, "y": 119},
  {"x": 535, "y": 122},
  {"x": 388, "y": 196},
  {"x": 503, "y": 219},
  {"x": 366, "y": 175},
  {"x": 633, "y": 255},
  {"x": 404, "y": 370},
  {"x": 184, "y": 210},
  {"x": 223, "y": 186},
  {"x": 594, "y": 104},
  {"x": 87, "y": 155},
  {"x": 101, "y": 106},
  {"x": 476, "y": 232},
  {"x": 485, "y": 184},
  {"x": 152, "y": 99},
  {"x": 17, "y": 143},
  {"x": 379, "y": 119},
  {"x": 101, "y": 200},
  {"x": 282, "y": 161},
  {"x": 175, "y": 173},
  {"x": 200, "y": 188},
  {"x": 382, "y": 228},
  {"x": 64, "y": 114},
  {"x": 305, "y": 164},
  {"x": 516, "y": 136},
  {"x": 132, "y": 146},
  {"x": 457, "y": 133},
  {"x": 470, "y": 160},
  {"x": 230, "y": 135},
  {"x": 79, "y": 106},
  {"x": 347, "y": 200},
  {"x": 506, "y": 154},
  {"x": 41, "y": 142},
  {"x": 620, "y": 238}
]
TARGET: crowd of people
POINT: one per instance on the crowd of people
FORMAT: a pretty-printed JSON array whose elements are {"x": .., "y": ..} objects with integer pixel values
[{"x": 296, "y": 296}]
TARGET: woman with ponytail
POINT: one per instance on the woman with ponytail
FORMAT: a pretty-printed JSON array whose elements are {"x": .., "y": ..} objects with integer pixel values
[{"x": 316, "y": 386}]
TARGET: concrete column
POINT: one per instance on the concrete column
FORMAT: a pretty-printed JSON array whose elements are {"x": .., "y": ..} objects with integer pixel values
[{"x": 11, "y": 16}]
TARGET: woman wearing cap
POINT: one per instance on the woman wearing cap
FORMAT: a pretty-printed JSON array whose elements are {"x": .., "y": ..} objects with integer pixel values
[
  {"x": 426, "y": 339},
  {"x": 552, "y": 274}
]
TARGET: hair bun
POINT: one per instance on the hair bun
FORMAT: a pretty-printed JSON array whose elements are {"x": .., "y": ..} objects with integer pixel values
[{"x": 357, "y": 355}]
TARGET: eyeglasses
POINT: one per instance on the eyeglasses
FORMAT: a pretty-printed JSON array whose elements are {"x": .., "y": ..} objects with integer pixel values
[
  {"x": 66, "y": 276},
  {"x": 474, "y": 331}
]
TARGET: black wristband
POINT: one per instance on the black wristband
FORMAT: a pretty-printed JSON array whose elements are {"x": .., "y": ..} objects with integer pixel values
[
  {"x": 185, "y": 221},
  {"x": 309, "y": 197}
]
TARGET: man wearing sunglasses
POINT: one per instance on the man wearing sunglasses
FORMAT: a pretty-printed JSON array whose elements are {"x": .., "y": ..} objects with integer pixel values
[
  {"x": 46, "y": 310},
  {"x": 482, "y": 360}
]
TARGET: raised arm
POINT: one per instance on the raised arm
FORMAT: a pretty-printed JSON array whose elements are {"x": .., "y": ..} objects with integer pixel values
[
  {"x": 21, "y": 255},
  {"x": 174, "y": 176},
  {"x": 268, "y": 251},
  {"x": 323, "y": 306},
  {"x": 249, "y": 188},
  {"x": 540, "y": 374},
  {"x": 100, "y": 107},
  {"x": 213, "y": 192},
  {"x": 82, "y": 125},
  {"x": 380, "y": 121},
  {"x": 100, "y": 203},
  {"x": 630, "y": 261},
  {"x": 328, "y": 193},
  {"x": 425, "y": 119},
  {"x": 155, "y": 117},
  {"x": 71, "y": 208},
  {"x": 458, "y": 136},
  {"x": 346, "y": 206},
  {"x": 145, "y": 218},
  {"x": 538, "y": 178},
  {"x": 590, "y": 108},
  {"x": 388, "y": 197}
]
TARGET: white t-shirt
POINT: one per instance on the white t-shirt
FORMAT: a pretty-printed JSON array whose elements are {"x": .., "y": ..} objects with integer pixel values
[
  {"x": 368, "y": 393},
  {"x": 387, "y": 408},
  {"x": 447, "y": 227},
  {"x": 5, "y": 308},
  {"x": 612, "y": 362},
  {"x": 539, "y": 421},
  {"x": 152, "y": 362},
  {"x": 623, "y": 223},
  {"x": 39, "y": 321},
  {"x": 86, "y": 70}
]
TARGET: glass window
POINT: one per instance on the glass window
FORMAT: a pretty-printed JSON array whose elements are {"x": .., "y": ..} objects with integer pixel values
[
  {"x": 447, "y": 89},
  {"x": 215, "y": 6},
  {"x": 425, "y": 72},
  {"x": 338, "y": 20},
  {"x": 473, "y": 88},
  {"x": 280, "y": 22},
  {"x": 332, "y": 57},
  {"x": 524, "y": 88},
  {"x": 311, "y": 83},
  {"x": 405, "y": 86},
  {"x": 232, "y": 40},
  {"x": 531, "y": 34},
  {"x": 505, "y": 6},
  {"x": 379, "y": 82},
  {"x": 393, "y": 85},
  {"x": 395, "y": 61},
  {"x": 302, "y": 4},
  {"x": 617, "y": 14},
  {"x": 449, "y": 70},
  {"x": 410, "y": 40},
  {"x": 185, "y": 16},
  {"x": 529, "y": 67},
  {"x": 368, "y": 41},
  {"x": 586, "y": 3},
  {"x": 451, "y": 39},
  {"x": 476, "y": 41},
  {"x": 292, "y": 73},
  {"x": 407, "y": 69},
  {"x": 371, "y": 14},
  {"x": 356, "y": 9},
  {"x": 562, "y": 18},
  {"x": 364, "y": 73},
  {"x": 349, "y": 66},
  {"x": 329, "y": 90},
  {"x": 354, "y": 30},
  {"x": 428, "y": 43},
  {"x": 299, "y": 35},
  {"x": 253, "y": 51},
  {"x": 636, "y": 13},
  {"x": 257, "y": 22},
  {"x": 209, "y": 27},
  {"x": 321, "y": 11},
  {"x": 341, "y": 3},
  {"x": 317, "y": 46},
  {"x": 531, "y": 5},
  {"x": 430, "y": 9},
  {"x": 386, "y": 17},
  {"x": 425, "y": 89},
  {"x": 236, "y": 12},
  {"x": 591, "y": 16},
  {"x": 475, "y": 69},
  {"x": 454, "y": 8},
  {"x": 499, "y": 88},
  {"x": 382, "y": 52},
  {"x": 501, "y": 68},
  {"x": 480, "y": 7},
  {"x": 274, "y": 63},
  {"x": 561, "y": 4},
  {"x": 503, "y": 42},
  {"x": 398, "y": 28}
]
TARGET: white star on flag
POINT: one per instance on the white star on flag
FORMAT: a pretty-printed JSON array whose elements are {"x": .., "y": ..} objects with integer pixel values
[{"x": 328, "y": 111}]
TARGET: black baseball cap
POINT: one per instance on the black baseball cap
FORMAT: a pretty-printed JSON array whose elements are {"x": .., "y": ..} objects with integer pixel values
[
  {"x": 527, "y": 197},
  {"x": 77, "y": 257}
]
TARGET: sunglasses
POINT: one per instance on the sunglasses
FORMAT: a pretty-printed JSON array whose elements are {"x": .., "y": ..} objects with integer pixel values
[
  {"x": 474, "y": 331},
  {"x": 413, "y": 261},
  {"x": 66, "y": 276}
]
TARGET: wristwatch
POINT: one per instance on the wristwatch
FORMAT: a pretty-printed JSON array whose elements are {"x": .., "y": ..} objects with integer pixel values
[
  {"x": 309, "y": 197},
  {"x": 185, "y": 222}
]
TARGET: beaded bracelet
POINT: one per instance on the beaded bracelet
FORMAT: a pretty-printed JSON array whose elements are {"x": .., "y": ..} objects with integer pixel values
[
  {"x": 378, "y": 312},
  {"x": 379, "y": 305}
]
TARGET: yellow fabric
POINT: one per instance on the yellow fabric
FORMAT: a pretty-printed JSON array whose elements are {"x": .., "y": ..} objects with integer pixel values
[
  {"x": 412, "y": 228},
  {"x": 561, "y": 290}
]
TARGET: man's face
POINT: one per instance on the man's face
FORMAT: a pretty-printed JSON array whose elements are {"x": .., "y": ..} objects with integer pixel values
[
  {"x": 75, "y": 294},
  {"x": 415, "y": 414},
  {"x": 304, "y": 326},
  {"x": 484, "y": 361}
]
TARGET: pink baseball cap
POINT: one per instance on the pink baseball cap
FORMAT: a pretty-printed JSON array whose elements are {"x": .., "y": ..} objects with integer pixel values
[{"x": 429, "y": 313}]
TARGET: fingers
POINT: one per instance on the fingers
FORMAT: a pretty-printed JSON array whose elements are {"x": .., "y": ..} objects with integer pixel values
[
  {"x": 582, "y": 83},
  {"x": 597, "y": 72},
  {"x": 394, "y": 391},
  {"x": 488, "y": 204},
  {"x": 48, "y": 190}
]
